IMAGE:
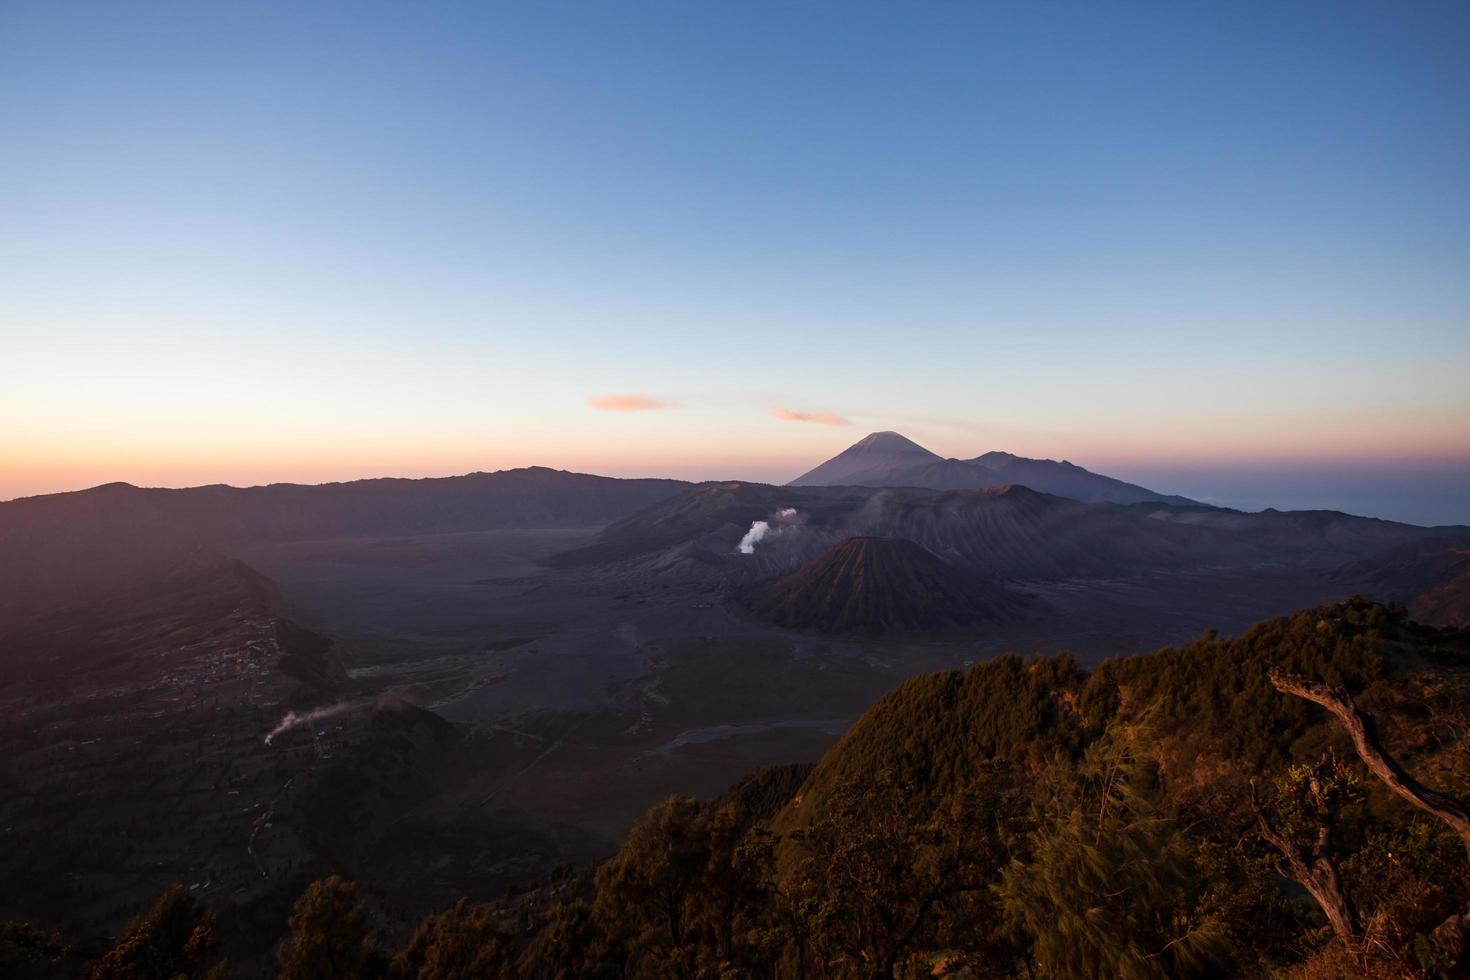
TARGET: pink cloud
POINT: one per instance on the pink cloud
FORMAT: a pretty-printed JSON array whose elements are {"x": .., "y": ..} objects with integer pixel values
[
  {"x": 625, "y": 403},
  {"x": 821, "y": 418}
]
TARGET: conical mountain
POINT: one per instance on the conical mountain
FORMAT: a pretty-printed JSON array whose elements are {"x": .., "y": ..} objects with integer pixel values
[
  {"x": 875, "y": 461},
  {"x": 879, "y": 585}
]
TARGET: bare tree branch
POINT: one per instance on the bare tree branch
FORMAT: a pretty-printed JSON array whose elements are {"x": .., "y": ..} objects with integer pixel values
[
  {"x": 1319, "y": 878},
  {"x": 1454, "y": 933},
  {"x": 1363, "y": 732}
]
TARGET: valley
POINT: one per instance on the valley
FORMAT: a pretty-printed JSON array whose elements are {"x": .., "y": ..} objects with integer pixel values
[{"x": 585, "y": 695}]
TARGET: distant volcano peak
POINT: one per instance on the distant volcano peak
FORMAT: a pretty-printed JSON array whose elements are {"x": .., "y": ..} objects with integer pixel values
[
  {"x": 874, "y": 454},
  {"x": 889, "y": 441}
]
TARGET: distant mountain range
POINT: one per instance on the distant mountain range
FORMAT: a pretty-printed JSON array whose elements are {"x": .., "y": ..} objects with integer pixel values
[
  {"x": 998, "y": 518},
  {"x": 887, "y": 459},
  {"x": 1005, "y": 534},
  {"x": 74, "y": 553}
]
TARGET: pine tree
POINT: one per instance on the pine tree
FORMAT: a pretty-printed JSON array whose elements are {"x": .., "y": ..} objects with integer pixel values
[
  {"x": 1111, "y": 888},
  {"x": 329, "y": 937},
  {"x": 463, "y": 943},
  {"x": 174, "y": 939}
]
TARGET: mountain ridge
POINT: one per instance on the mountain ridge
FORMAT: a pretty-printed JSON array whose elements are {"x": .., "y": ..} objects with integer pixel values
[
  {"x": 535, "y": 496},
  {"x": 890, "y": 459}
]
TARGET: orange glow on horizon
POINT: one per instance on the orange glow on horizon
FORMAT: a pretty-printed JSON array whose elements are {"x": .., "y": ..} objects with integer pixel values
[
  {"x": 58, "y": 471},
  {"x": 689, "y": 443}
]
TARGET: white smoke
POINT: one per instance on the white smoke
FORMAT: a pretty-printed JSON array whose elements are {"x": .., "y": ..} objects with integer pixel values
[
  {"x": 760, "y": 530},
  {"x": 294, "y": 720}
]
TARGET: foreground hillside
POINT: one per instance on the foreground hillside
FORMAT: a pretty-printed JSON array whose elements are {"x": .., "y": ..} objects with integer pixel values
[
  {"x": 1184, "y": 813},
  {"x": 1128, "y": 789},
  {"x": 1031, "y": 818}
]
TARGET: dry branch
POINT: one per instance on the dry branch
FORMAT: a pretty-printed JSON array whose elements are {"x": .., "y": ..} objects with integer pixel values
[
  {"x": 1363, "y": 732},
  {"x": 1313, "y": 871},
  {"x": 1454, "y": 933}
]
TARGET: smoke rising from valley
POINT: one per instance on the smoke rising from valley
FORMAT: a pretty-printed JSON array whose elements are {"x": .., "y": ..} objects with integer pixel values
[
  {"x": 294, "y": 720},
  {"x": 760, "y": 530}
]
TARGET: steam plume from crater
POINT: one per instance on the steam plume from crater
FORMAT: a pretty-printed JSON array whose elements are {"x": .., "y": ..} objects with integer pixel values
[
  {"x": 294, "y": 720},
  {"x": 760, "y": 530}
]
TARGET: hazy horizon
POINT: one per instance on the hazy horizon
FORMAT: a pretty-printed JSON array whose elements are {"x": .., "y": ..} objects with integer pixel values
[{"x": 1415, "y": 492}]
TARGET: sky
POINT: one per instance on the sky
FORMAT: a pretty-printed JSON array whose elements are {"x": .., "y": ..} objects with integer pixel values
[{"x": 1221, "y": 247}]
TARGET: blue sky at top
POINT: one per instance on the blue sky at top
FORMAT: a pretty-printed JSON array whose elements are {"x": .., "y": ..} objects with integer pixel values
[{"x": 268, "y": 241}]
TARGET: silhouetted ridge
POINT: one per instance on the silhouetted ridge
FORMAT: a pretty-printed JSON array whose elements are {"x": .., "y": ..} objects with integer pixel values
[
  {"x": 879, "y": 584},
  {"x": 1430, "y": 576},
  {"x": 887, "y": 459},
  {"x": 532, "y": 497}
]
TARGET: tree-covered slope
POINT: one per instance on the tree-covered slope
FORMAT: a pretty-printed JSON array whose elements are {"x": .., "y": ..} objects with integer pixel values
[
  {"x": 1193, "y": 812},
  {"x": 1209, "y": 700}
]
